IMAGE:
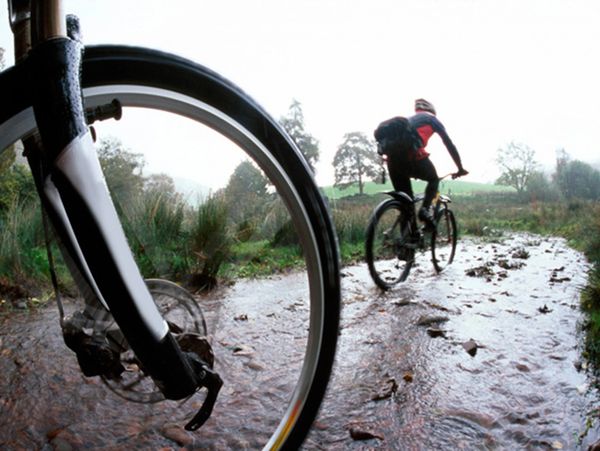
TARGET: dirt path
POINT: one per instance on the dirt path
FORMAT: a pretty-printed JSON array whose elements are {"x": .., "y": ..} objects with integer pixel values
[{"x": 482, "y": 356}]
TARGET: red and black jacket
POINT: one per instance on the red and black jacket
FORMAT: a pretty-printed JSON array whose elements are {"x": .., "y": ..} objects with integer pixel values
[{"x": 426, "y": 125}]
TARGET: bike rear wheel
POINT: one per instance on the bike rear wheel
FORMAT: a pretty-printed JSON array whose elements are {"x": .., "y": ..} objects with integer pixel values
[
  {"x": 443, "y": 239},
  {"x": 274, "y": 346},
  {"x": 390, "y": 251}
]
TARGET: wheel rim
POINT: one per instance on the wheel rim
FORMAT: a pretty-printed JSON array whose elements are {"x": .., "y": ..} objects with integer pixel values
[{"x": 147, "y": 97}]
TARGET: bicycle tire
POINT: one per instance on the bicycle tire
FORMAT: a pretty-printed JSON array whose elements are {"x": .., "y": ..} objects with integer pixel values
[
  {"x": 157, "y": 80},
  {"x": 387, "y": 269},
  {"x": 443, "y": 239}
]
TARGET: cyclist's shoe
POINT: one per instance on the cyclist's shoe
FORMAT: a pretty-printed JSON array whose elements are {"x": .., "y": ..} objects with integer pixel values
[
  {"x": 403, "y": 254},
  {"x": 406, "y": 254},
  {"x": 427, "y": 218}
]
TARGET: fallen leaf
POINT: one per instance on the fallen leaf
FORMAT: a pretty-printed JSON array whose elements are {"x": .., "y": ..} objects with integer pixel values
[
  {"x": 389, "y": 388},
  {"x": 361, "y": 434}
]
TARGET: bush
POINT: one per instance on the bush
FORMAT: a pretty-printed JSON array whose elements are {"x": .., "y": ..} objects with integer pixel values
[
  {"x": 153, "y": 222},
  {"x": 211, "y": 241},
  {"x": 22, "y": 246},
  {"x": 245, "y": 230},
  {"x": 539, "y": 188},
  {"x": 351, "y": 223},
  {"x": 285, "y": 235},
  {"x": 590, "y": 303}
]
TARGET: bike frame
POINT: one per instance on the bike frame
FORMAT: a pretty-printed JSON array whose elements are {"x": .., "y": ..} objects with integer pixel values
[
  {"x": 73, "y": 191},
  {"x": 440, "y": 202}
]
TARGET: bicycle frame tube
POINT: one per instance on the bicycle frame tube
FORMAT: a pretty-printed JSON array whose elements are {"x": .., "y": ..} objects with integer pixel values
[
  {"x": 74, "y": 189},
  {"x": 48, "y": 20},
  {"x": 42, "y": 22},
  {"x": 19, "y": 14}
]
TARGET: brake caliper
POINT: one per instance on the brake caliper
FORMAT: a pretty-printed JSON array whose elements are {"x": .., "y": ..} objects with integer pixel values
[{"x": 201, "y": 357}]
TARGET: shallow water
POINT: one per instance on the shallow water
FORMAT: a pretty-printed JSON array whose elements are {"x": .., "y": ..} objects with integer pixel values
[
  {"x": 403, "y": 379},
  {"x": 520, "y": 390}
]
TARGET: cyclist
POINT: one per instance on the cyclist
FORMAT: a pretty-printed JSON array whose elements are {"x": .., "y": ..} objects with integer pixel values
[{"x": 402, "y": 166}]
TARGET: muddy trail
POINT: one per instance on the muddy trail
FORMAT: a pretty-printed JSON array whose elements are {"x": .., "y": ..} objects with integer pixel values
[{"x": 482, "y": 356}]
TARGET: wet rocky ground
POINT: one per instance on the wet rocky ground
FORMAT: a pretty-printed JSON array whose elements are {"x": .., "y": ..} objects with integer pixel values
[{"x": 482, "y": 356}]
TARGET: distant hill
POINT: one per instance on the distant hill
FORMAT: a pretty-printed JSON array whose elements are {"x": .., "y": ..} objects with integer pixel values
[{"x": 446, "y": 187}]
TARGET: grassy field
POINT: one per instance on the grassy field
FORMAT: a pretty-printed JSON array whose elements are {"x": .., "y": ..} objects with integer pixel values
[{"x": 453, "y": 187}]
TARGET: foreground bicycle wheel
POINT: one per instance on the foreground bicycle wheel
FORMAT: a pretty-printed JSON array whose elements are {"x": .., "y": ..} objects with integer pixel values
[
  {"x": 443, "y": 239},
  {"x": 273, "y": 339},
  {"x": 388, "y": 257}
]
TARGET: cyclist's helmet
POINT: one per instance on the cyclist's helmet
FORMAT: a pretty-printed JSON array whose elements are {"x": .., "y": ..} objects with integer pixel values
[{"x": 424, "y": 105}]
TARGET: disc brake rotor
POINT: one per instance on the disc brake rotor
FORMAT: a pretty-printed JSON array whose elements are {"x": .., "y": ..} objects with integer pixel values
[{"x": 187, "y": 324}]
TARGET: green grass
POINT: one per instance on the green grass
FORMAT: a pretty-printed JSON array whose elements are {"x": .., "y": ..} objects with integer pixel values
[
  {"x": 260, "y": 258},
  {"x": 590, "y": 304},
  {"x": 153, "y": 222},
  {"x": 22, "y": 252},
  {"x": 452, "y": 187},
  {"x": 352, "y": 252}
]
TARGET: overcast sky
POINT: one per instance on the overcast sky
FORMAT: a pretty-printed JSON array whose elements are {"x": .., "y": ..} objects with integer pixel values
[{"x": 496, "y": 70}]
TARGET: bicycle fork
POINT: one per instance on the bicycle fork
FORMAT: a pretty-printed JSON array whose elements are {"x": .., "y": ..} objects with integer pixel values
[{"x": 73, "y": 191}]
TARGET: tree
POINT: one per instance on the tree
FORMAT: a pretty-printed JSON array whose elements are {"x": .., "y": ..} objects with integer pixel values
[
  {"x": 517, "y": 162},
  {"x": 293, "y": 124},
  {"x": 161, "y": 183},
  {"x": 541, "y": 188},
  {"x": 355, "y": 161},
  {"x": 122, "y": 169},
  {"x": 246, "y": 191},
  {"x": 246, "y": 179},
  {"x": 575, "y": 178}
]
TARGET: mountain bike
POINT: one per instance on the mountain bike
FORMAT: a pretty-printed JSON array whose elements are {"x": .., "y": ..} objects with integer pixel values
[
  {"x": 148, "y": 339},
  {"x": 393, "y": 237}
]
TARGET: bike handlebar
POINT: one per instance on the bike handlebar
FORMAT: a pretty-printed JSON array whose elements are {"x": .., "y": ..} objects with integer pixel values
[{"x": 454, "y": 175}]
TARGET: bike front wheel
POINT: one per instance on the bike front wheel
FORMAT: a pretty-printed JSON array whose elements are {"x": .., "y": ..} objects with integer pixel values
[
  {"x": 273, "y": 336},
  {"x": 390, "y": 251},
  {"x": 443, "y": 239}
]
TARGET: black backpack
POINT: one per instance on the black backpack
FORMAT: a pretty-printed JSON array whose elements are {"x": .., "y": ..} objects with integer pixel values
[{"x": 397, "y": 135}]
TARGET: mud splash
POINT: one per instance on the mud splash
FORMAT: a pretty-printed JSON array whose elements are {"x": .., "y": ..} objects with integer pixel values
[{"x": 482, "y": 356}]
